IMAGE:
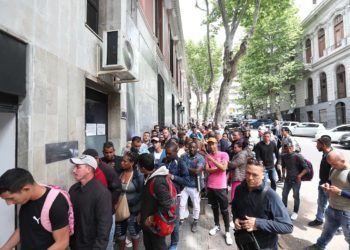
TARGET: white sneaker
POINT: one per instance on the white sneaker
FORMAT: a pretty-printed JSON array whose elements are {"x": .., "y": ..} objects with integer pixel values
[
  {"x": 214, "y": 230},
  {"x": 128, "y": 243},
  {"x": 228, "y": 238},
  {"x": 294, "y": 216}
]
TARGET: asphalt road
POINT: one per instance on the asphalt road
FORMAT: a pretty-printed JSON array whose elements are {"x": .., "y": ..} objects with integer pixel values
[{"x": 303, "y": 235}]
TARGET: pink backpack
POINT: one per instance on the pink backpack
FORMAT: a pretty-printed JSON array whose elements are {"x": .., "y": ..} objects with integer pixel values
[{"x": 50, "y": 198}]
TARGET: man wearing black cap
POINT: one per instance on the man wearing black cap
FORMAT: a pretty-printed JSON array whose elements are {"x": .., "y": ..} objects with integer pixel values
[
  {"x": 286, "y": 138},
  {"x": 323, "y": 144}
]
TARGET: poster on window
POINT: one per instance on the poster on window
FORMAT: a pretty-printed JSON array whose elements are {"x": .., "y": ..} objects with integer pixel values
[
  {"x": 101, "y": 129},
  {"x": 90, "y": 129}
]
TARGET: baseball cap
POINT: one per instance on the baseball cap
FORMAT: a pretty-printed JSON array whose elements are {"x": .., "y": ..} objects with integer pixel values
[
  {"x": 212, "y": 139},
  {"x": 84, "y": 160}
]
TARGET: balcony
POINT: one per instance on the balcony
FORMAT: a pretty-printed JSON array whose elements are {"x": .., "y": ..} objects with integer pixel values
[{"x": 309, "y": 101}]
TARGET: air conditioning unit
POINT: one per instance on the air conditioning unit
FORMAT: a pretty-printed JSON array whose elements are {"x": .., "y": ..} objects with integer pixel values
[{"x": 118, "y": 56}]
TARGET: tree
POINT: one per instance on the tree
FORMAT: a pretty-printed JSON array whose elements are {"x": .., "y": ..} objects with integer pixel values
[
  {"x": 202, "y": 73},
  {"x": 271, "y": 61},
  {"x": 230, "y": 14}
]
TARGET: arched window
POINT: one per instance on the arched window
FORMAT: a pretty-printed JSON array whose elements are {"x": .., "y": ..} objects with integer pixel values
[
  {"x": 338, "y": 30},
  {"x": 323, "y": 87},
  {"x": 341, "y": 82},
  {"x": 308, "y": 51},
  {"x": 321, "y": 42},
  {"x": 340, "y": 113},
  {"x": 310, "y": 92}
]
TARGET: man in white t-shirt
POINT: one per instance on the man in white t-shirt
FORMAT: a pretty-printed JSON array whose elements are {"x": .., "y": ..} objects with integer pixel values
[{"x": 157, "y": 151}]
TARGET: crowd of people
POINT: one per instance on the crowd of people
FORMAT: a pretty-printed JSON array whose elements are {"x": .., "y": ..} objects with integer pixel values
[{"x": 152, "y": 186}]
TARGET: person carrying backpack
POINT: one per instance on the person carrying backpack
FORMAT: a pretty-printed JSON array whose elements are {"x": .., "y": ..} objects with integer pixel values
[
  {"x": 296, "y": 167},
  {"x": 156, "y": 201},
  {"x": 39, "y": 227}
]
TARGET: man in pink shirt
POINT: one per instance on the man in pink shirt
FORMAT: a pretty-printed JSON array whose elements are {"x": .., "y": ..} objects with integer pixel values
[{"x": 216, "y": 165}]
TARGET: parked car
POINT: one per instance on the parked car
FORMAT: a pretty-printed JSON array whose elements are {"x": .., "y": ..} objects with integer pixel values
[
  {"x": 258, "y": 122},
  {"x": 345, "y": 140},
  {"x": 334, "y": 133},
  {"x": 232, "y": 125},
  {"x": 307, "y": 129},
  {"x": 289, "y": 124}
]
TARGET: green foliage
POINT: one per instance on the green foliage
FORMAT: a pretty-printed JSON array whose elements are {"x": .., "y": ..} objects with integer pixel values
[
  {"x": 271, "y": 61},
  {"x": 198, "y": 63}
]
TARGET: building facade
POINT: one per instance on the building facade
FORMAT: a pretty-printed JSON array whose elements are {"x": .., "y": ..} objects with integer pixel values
[
  {"x": 323, "y": 95},
  {"x": 74, "y": 74}
]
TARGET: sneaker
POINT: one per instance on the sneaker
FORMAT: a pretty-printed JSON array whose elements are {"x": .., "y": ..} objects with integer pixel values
[
  {"x": 228, "y": 238},
  {"x": 294, "y": 216},
  {"x": 214, "y": 230},
  {"x": 339, "y": 231},
  {"x": 181, "y": 222},
  {"x": 194, "y": 226},
  {"x": 172, "y": 247},
  {"x": 128, "y": 243},
  {"x": 315, "y": 223}
]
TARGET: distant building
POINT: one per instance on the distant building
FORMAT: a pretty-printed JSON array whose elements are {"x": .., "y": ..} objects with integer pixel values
[
  {"x": 74, "y": 74},
  {"x": 234, "y": 109},
  {"x": 324, "y": 93}
]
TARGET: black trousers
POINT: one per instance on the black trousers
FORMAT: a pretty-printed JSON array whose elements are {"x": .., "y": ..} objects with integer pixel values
[
  {"x": 218, "y": 199},
  {"x": 153, "y": 241}
]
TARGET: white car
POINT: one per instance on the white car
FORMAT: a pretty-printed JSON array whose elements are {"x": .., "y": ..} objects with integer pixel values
[
  {"x": 289, "y": 125},
  {"x": 334, "y": 133},
  {"x": 307, "y": 129}
]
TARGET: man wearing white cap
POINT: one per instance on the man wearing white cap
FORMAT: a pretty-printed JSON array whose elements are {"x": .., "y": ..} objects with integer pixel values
[{"x": 92, "y": 206}]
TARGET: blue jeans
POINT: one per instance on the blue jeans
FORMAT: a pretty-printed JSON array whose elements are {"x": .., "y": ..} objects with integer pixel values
[
  {"x": 175, "y": 234},
  {"x": 288, "y": 185},
  {"x": 272, "y": 175},
  {"x": 322, "y": 202},
  {"x": 334, "y": 219},
  {"x": 111, "y": 235}
]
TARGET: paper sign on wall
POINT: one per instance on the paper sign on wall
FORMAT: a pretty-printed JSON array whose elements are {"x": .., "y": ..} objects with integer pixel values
[
  {"x": 101, "y": 129},
  {"x": 90, "y": 129}
]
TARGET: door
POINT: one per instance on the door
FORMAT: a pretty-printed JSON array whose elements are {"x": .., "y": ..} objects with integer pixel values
[
  {"x": 96, "y": 112},
  {"x": 8, "y": 156}
]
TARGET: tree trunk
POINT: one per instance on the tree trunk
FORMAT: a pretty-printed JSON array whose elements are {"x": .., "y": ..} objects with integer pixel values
[
  {"x": 206, "y": 109},
  {"x": 229, "y": 71}
]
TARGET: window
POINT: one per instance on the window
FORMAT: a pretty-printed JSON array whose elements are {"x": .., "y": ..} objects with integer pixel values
[
  {"x": 338, "y": 30},
  {"x": 340, "y": 113},
  {"x": 323, "y": 87},
  {"x": 159, "y": 22},
  {"x": 321, "y": 42},
  {"x": 292, "y": 95},
  {"x": 341, "y": 82},
  {"x": 308, "y": 51},
  {"x": 310, "y": 92},
  {"x": 92, "y": 14}
]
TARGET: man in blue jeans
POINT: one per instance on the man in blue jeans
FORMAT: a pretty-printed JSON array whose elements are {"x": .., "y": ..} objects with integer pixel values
[
  {"x": 296, "y": 167},
  {"x": 323, "y": 145},
  {"x": 338, "y": 212}
]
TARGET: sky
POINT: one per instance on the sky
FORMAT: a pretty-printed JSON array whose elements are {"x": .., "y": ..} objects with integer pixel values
[{"x": 195, "y": 31}]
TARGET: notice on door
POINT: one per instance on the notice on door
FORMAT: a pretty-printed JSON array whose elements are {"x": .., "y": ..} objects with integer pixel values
[
  {"x": 90, "y": 129},
  {"x": 101, "y": 129}
]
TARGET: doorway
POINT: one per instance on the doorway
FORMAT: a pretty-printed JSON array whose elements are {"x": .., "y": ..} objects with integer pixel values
[{"x": 8, "y": 156}]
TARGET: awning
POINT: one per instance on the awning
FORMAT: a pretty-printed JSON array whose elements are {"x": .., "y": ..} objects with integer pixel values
[{"x": 290, "y": 111}]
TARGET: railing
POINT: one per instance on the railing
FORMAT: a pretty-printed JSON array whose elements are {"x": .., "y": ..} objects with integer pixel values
[{"x": 309, "y": 101}]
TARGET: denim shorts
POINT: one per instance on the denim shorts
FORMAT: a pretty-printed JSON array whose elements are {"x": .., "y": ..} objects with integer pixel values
[{"x": 130, "y": 225}]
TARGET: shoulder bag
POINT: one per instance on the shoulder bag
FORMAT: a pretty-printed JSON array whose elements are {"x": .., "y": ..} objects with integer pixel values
[{"x": 122, "y": 211}]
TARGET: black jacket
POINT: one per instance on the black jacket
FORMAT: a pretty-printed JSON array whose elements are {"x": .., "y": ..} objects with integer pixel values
[
  {"x": 92, "y": 215},
  {"x": 265, "y": 153},
  {"x": 163, "y": 200},
  {"x": 271, "y": 215}
]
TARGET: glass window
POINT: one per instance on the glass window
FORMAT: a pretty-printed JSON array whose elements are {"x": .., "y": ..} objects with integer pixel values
[
  {"x": 92, "y": 14},
  {"x": 338, "y": 30}
]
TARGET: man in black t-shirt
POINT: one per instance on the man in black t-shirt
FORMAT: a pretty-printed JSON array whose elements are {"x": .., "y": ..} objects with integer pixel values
[
  {"x": 17, "y": 186},
  {"x": 323, "y": 145},
  {"x": 110, "y": 158}
]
